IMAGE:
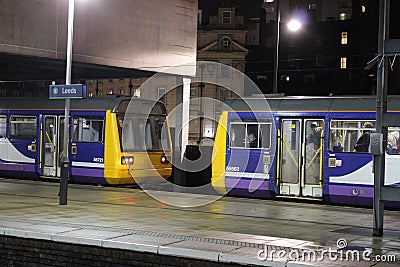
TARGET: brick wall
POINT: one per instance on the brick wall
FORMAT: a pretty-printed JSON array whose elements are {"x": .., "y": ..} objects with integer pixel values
[{"x": 15, "y": 251}]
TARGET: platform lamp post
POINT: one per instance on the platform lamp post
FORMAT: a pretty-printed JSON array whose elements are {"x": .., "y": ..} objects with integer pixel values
[
  {"x": 276, "y": 51},
  {"x": 201, "y": 113},
  {"x": 65, "y": 158},
  {"x": 293, "y": 25}
]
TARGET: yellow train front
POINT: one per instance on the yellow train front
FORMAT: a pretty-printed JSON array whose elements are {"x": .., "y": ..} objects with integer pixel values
[{"x": 101, "y": 151}]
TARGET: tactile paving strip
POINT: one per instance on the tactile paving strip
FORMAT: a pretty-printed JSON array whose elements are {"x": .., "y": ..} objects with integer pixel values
[{"x": 148, "y": 233}]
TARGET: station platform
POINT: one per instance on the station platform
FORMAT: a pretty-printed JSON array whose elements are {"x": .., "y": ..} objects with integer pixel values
[{"x": 108, "y": 226}]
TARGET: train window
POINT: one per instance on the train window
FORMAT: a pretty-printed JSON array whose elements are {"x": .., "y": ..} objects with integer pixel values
[
  {"x": 237, "y": 135},
  {"x": 142, "y": 137},
  {"x": 162, "y": 137},
  {"x": 23, "y": 127},
  {"x": 250, "y": 135},
  {"x": 344, "y": 134},
  {"x": 393, "y": 141},
  {"x": 142, "y": 133},
  {"x": 148, "y": 141},
  {"x": 3, "y": 126},
  {"x": 265, "y": 135},
  {"x": 88, "y": 129},
  {"x": 127, "y": 143}
]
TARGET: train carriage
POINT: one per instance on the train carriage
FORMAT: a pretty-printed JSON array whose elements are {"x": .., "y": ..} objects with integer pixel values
[
  {"x": 31, "y": 139},
  {"x": 305, "y": 149}
]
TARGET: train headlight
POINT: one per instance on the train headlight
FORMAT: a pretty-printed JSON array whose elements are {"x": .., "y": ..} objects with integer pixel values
[
  {"x": 127, "y": 160},
  {"x": 164, "y": 159}
]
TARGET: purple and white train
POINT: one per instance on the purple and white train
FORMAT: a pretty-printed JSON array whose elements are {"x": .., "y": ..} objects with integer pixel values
[
  {"x": 305, "y": 148},
  {"x": 32, "y": 130}
]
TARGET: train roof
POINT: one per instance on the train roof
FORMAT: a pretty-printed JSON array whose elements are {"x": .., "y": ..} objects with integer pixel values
[
  {"x": 326, "y": 104},
  {"x": 114, "y": 103}
]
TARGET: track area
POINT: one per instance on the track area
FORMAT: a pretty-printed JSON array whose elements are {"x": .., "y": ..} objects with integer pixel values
[{"x": 235, "y": 225}]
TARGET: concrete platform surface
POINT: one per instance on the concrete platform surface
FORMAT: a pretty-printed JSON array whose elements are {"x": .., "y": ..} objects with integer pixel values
[{"x": 229, "y": 230}]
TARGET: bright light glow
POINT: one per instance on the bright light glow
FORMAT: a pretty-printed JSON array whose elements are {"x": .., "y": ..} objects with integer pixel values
[{"x": 294, "y": 25}]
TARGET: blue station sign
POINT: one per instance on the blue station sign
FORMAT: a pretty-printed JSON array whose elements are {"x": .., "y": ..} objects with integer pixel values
[{"x": 63, "y": 91}]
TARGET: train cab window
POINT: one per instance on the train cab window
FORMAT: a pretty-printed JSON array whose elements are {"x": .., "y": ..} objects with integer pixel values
[
  {"x": 127, "y": 143},
  {"x": 23, "y": 127},
  {"x": 142, "y": 134},
  {"x": 345, "y": 134},
  {"x": 3, "y": 126},
  {"x": 162, "y": 136},
  {"x": 88, "y": 129},
  {"x": 148, "y": 142},
  {"x": 250, "y": 135}
]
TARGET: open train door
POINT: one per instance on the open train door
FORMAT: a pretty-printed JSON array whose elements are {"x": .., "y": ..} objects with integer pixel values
[
  {"x": 52, "y": 144},
  {"x": 301, "y": 157}
]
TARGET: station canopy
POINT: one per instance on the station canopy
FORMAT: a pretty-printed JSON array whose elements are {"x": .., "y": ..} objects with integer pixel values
[{"x": 125, "y": 38}]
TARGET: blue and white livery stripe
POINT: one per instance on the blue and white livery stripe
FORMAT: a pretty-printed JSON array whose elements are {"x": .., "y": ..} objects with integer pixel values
[
  {"x": 87, "y": 164},
  {"x": 248, "y": 175}
]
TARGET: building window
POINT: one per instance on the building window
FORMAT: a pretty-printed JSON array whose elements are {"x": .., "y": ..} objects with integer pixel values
[
  {"x": 161, "y": 94},
  {"x": 27, "y": 94},
  {"x": 363, "y": 9},
  {"x": 226, "y": 17},
  {"x": 194, "y": 92},
  {"x": 344, "y": 38},
  {"x": 194, "y": 125},
  {"x": 312, "y": 6},
  {"x": 225, "y": 71},
  {"x": 225, "y": 42},
  {"x": 343, "y": 62},
  {"x": 2, "y": 93},
  {"x": 199, "y": 17},
  {"x": 270, "y": 10},
  {"x": 224, "y": 94}
]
